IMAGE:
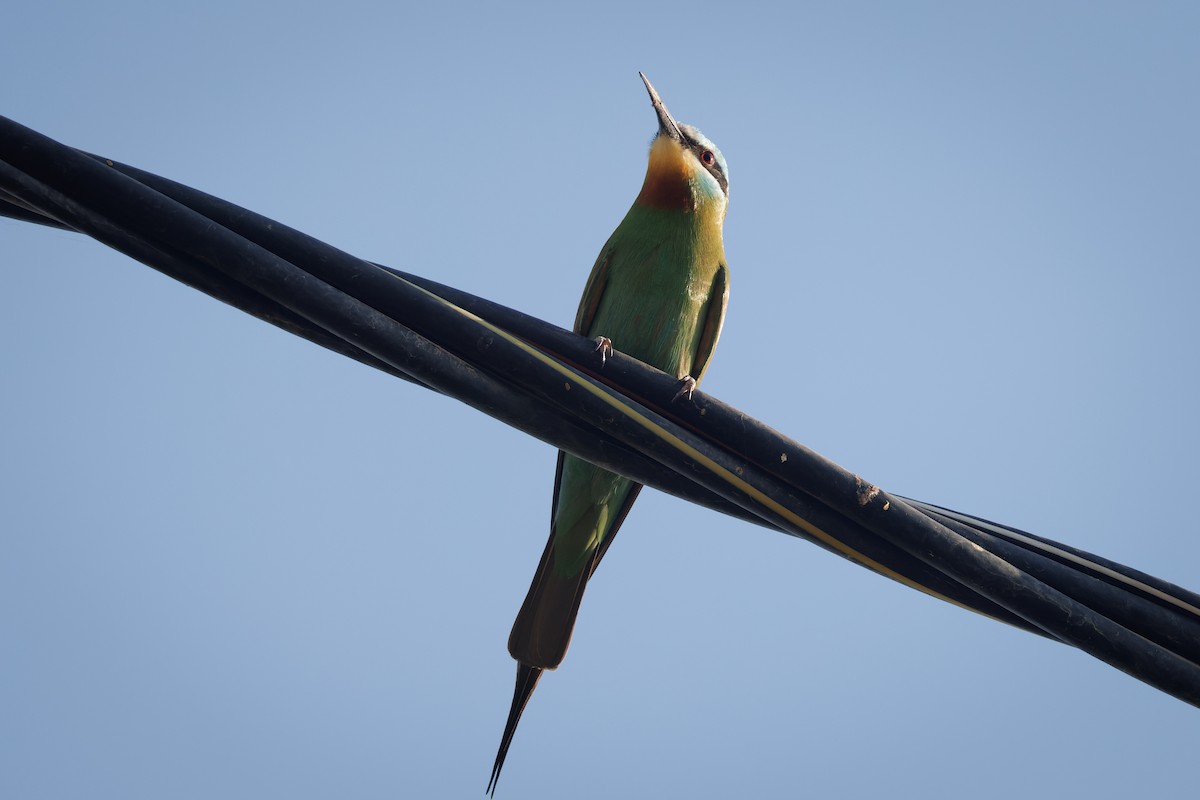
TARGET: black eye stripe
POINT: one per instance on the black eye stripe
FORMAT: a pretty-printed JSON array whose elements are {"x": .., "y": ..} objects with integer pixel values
[{"x": 714, "y": 168}]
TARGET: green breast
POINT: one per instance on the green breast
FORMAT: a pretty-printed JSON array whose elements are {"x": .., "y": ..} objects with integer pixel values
[{"x": 662, "y": 265}]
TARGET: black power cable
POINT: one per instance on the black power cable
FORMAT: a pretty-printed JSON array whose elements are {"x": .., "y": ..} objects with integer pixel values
[{"x": 547, "y": 382}]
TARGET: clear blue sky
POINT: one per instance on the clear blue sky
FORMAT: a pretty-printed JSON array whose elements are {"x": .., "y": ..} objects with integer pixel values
[{"x": 965, "y": 261}]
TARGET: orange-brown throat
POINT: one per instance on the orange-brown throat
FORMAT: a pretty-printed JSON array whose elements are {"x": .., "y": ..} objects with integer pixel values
[{"x": 668, "y": 183}]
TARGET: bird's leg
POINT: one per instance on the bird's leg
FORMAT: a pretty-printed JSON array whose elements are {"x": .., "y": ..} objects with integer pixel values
[
  {"x": 687, "y": 385},
  {"x": 604, "y": 348}
]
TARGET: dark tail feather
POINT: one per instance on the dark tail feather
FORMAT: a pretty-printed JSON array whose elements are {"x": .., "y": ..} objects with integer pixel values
[
  {"x": 543, "y": 626},
  {"x": 527, "y": 679}
]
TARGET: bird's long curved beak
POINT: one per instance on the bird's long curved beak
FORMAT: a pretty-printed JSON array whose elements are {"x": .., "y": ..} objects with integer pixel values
[{"x": 667, "y": 126}]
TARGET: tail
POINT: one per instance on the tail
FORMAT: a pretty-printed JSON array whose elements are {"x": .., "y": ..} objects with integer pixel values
[
  {"x": 544, "y": 624},
  {"x": 542, "y": 631},
  {"x": 546, "y": 620},
  {"x": 527, "y": 679}
]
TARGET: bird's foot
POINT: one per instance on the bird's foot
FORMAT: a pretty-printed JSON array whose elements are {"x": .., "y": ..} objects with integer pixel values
[
  {"x": 687, "y": 385},
  {"x": 604, "y": 348}
]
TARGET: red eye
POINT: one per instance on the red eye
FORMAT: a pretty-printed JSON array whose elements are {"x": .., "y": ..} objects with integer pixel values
[{"x": 708, "y": 158}]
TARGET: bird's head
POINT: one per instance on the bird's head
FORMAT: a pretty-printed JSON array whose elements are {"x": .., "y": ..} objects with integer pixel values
[{"x": 686, "y": 172}]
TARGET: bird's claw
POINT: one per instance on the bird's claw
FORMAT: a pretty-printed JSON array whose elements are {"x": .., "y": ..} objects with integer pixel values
[
  {"x": 687, "y": 385},
  {"x": 604, "y": 348}
]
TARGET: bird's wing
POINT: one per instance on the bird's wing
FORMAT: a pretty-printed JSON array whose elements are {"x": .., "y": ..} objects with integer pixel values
[
  {"x": 714, "y": 318},
  {"x": 597, "y": 282}
]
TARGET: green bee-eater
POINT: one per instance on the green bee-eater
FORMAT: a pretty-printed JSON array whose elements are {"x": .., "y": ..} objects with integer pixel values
[{"x": 658, "y": 293}]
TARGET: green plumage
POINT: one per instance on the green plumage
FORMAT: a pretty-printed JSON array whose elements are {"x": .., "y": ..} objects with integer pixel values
[{"x": 652, "y": 291}]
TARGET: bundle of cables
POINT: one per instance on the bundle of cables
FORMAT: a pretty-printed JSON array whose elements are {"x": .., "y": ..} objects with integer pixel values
[{"x": 545, "y": 381}]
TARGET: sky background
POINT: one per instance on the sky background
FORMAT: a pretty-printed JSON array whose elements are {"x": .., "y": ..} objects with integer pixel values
[{"x": 965, "y": 264}]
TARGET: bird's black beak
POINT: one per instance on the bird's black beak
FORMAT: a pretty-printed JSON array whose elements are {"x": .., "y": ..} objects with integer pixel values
[{"x": 667, "y": 126}]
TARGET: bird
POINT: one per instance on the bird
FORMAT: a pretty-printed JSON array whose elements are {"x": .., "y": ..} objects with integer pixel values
[{"x": 657, "y": 292}]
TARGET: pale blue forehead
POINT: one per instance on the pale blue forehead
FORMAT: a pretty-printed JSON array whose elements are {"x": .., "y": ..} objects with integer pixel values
[{"x": 695, "y": 135}]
